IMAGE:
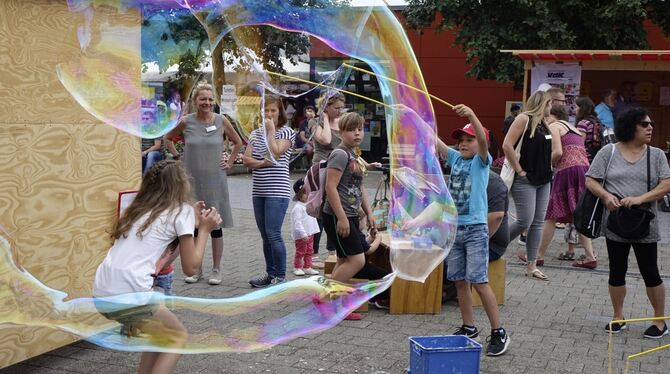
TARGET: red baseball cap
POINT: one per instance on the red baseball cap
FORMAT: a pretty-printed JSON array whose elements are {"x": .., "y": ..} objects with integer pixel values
[{"x": 468, "y": 130}]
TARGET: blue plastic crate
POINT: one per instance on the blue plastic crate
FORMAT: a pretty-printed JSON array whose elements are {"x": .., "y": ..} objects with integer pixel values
[{"x": 446, "y": 354}]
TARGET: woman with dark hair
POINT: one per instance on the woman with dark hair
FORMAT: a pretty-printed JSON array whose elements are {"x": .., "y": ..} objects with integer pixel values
[
  {"x": 636, "y": 175},
  {"x": 271, "y": 186},
  {"x": 587, "y": 122}
]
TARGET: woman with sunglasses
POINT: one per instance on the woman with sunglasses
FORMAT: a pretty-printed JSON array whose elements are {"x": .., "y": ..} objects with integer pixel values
[{"x": 629, "y": 183}]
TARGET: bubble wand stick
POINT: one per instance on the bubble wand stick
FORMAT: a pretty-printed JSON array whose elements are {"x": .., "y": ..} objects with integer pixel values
[{"x": 400, "y": 83}]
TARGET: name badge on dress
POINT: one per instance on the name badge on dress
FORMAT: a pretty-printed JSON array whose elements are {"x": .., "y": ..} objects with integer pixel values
[
  {"x": 548, "y": 137},
  {"x": 210, "y": 128}
]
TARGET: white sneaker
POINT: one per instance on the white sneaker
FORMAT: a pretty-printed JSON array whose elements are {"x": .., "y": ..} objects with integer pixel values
[
  {"x": 215, "y": 278},
  {"x": 298, "y": 272},
  {"x": 193, "y": 279},
  {"x": 310, "y": 271}
]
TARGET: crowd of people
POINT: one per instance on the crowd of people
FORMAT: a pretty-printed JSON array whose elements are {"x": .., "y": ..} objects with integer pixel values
[{"x": 552, "y": 160}]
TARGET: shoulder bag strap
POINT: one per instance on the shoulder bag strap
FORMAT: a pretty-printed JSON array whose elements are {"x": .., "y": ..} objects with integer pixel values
[
  {"x": 608, "y": 164},
  {"x": 518, "y": 146},
  {"x": 648, "y": 169}
]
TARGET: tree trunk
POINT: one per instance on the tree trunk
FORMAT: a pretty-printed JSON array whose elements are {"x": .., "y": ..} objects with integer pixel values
[{"x": 218, "y": 72}]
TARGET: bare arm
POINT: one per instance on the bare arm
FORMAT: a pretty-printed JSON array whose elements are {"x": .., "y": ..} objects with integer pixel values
[
  {"x": 276, "y": 146},
  {"x": 249, "y": 161},
  {"x": 513, "y": 135},
  {"x": 494, "y": 219},
  {"x": 442, "y": 149},
  {"x": 192, "y": 251},
  {"x": 656, "y": 193},
  {"x": 177, "y": 131},
  {"x": 375, "y": 244},
  {"x": 302, "y": 137},
  {"x": 234, "y": 138},
  {"x": 322, "y": 134},
  {"x": 169, "y": 144},
  {"x": 480, "y": 135},
  {"x": 155, "y": 147},
  {"x": 332, "y": 180},
  {"x": 556, "y": 146},
  {"x": 611, "y": 201}
]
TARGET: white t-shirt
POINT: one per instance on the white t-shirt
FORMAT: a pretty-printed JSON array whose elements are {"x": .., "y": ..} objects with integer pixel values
[
  {"x": 303, "y": 224},
  {"x": 131, "y": 261}
]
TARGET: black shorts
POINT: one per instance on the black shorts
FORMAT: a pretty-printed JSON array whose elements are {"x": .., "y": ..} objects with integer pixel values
[{"x": 345, "y": 247}]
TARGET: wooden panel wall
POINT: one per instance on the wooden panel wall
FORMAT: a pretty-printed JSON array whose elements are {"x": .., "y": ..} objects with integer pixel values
[{"x": 60, "y": 169}]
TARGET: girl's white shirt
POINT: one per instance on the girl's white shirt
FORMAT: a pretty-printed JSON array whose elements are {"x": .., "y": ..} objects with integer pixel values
[{"x": 131, "y": 261}]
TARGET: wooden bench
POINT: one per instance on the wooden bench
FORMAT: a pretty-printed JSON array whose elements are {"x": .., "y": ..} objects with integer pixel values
[
  {"x": 328, "y": 267},
  {"x": 497, "y": 279},
  {"x": 408, "y": 297}
]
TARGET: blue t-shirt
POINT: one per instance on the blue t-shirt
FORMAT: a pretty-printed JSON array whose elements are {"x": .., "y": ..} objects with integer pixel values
[
  {"x": 605, "y": 115},
  {"x": 467, "y": 185}
]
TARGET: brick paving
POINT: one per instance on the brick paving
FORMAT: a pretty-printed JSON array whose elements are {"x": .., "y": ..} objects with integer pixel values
[{"x": 555, "y": 326}]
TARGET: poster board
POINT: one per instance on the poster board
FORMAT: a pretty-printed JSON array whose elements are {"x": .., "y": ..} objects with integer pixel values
[{"x": 567, "y": 76}]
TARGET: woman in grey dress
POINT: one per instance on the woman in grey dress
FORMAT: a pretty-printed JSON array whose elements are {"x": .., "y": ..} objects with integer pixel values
[{"x": 203, "y": 134}]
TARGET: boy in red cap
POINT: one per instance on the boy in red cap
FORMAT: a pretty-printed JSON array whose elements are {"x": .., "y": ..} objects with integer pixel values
[{"x": 467, "y": 263}]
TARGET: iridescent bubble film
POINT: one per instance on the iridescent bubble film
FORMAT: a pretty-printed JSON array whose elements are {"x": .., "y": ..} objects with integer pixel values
[
  {"x": 252, "y": 322},
  {"x": 120, "y": 38}
]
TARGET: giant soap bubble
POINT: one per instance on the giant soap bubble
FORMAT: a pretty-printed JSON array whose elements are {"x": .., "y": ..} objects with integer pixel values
[{"x": 106, "y": 81}]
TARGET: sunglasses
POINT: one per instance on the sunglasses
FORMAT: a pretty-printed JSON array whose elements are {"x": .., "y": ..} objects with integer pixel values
[{"x": 646, "y": 124}]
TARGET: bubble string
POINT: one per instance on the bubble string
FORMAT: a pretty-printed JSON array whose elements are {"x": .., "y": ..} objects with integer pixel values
[{"x": 306, "y": 306}]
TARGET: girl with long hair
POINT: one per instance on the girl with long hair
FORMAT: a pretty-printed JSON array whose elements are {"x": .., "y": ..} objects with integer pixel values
[{"x": 160, "y": 216}]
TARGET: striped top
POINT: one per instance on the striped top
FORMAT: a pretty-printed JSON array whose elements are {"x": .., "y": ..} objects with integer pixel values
[{"x": 271, "y": 181}]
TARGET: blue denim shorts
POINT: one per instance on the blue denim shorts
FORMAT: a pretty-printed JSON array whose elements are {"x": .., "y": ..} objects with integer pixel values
[
  {"x": 164, "y": 282},
  {"x": 469, "y": 256}
]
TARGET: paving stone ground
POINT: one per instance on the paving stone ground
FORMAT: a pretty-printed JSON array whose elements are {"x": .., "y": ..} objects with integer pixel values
[{"x": 555, "y": 326}]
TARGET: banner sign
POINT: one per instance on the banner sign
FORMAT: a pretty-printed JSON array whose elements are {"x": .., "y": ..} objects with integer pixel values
[{"x": 568, "y": 77}]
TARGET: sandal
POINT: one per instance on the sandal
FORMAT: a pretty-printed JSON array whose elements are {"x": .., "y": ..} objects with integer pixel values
[
  {"x": 566, "y": 256},
  {"x": 537, "y": 274},
  {"x": 524, "y": 259},
  {"x": 585, "y": 264}
]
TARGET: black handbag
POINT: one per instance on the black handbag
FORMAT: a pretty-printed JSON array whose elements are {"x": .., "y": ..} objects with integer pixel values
[
  {"x": 632, "y": 223},
  {"x": 588, "y": 215}
]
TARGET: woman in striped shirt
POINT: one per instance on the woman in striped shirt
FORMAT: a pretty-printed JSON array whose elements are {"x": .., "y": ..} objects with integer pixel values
[{"x": 271, "y": 186}]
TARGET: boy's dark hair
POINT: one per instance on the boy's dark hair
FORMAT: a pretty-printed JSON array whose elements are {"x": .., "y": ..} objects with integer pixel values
[
  {"x": 626, "y": 123},
  {"x": 559, "y": 112},
  {"x": 309, "y": 107}
]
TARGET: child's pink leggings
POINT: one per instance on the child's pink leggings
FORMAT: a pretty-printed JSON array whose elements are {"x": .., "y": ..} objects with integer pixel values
[{"x": 303, "y": 253}]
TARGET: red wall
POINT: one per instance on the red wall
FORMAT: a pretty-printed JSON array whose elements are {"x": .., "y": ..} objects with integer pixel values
[{"x": 444, "y": 69}]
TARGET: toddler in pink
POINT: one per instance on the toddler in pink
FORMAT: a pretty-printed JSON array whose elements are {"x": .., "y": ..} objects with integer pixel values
[{"x": 304, "y": 227}]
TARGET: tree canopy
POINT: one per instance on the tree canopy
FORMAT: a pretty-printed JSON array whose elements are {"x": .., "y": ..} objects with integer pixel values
[
  {"x": 177, "y": 37},
  {"x": 484, "y": 27}
]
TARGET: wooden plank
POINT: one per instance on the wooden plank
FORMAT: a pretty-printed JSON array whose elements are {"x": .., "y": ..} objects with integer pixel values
[
  {"x": 60, "y": 170},
  {"x": 409, "y": 297},
  {"x": 58, "y": 188},
  {"x": 36, "y": 36}
]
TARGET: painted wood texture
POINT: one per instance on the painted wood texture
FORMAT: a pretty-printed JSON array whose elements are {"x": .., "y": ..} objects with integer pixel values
[
  {"x": 35, "y": 37},
  {"x": 60, "y": 170}
]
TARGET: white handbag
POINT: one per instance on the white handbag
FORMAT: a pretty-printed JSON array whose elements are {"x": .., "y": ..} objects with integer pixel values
[{"x": 507, "y": 172}]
